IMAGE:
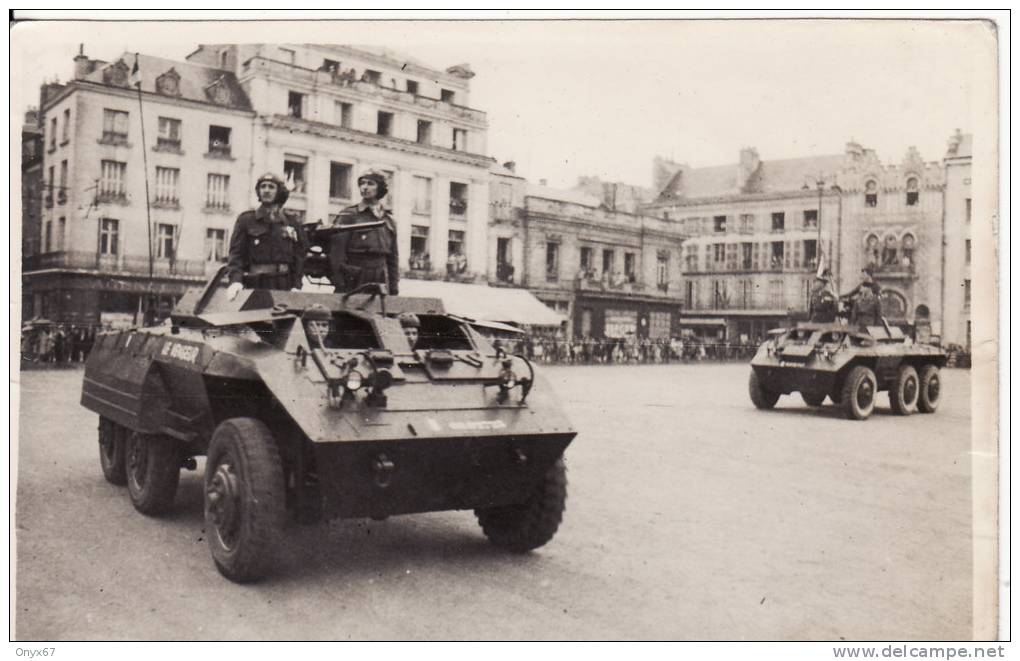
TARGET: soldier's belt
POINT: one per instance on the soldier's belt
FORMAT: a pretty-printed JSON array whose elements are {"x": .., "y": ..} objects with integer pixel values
[{"x": 268, "y": 269}]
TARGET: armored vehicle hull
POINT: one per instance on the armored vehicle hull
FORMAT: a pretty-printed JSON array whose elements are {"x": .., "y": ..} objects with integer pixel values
[
  {"x": 316, "y": 406},
  {"x": 848, "y": 365}
]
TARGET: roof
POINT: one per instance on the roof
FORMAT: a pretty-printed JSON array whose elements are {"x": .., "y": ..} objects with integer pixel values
[
  {"x": 195, "y": 80},
  {"x": 561, "y": 195},
  {"x": 776, "y": 176},
  {"x": 484, "y": 303}
]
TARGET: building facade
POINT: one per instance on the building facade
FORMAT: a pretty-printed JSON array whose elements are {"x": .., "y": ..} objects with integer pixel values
[
  {"x": 956, "y": 284},
  {"x": 326, "y": 113}
]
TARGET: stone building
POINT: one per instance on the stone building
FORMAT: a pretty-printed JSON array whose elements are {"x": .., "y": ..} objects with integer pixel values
[
  {"x": 32, "y": 183},
  {"x": 957, "y": 223},
  {"x": 506, "y": 258},
  {"x": 326, "y": 113},
  {"x": 616, "y": 195},
  {"x": 104, "y": 253}
]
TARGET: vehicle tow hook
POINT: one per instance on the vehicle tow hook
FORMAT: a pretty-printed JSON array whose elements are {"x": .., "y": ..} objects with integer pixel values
[{"x": 382, "y": 470}]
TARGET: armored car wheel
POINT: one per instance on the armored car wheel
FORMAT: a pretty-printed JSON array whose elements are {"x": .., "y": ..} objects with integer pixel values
[
  {"x": 244, "y": 498},
  {"x": 858, "y": 397},
  {"x": 930, "y": 389},
  {"x": 760, "y": 396},
  {"x": 112, "y": 438},
  {"x": 904, "y": 392},
  {"x": 813, "y": 398},
  {"x": 524, "y": 527},
  {"x": 153, "y": 471}
]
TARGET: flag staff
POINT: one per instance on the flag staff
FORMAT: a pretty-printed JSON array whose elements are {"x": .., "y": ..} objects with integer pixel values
[{"x": 145, "y": 162}]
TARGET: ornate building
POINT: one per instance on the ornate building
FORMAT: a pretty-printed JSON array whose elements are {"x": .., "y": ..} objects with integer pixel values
[{"x": 957, "y": 223}]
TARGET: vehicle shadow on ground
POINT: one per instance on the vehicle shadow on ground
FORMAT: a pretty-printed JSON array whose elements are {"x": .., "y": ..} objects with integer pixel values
[{"x": 832, "y": 411}]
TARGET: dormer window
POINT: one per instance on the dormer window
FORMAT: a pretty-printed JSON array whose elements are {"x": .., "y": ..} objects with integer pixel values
[
  {"x": 912, "y": 192},
  {"x": 871, "y": 194},
  {"x": 446, "y": 95},
  {"x": 295, "y": 104},
  {"x": 412, "y": 86}
]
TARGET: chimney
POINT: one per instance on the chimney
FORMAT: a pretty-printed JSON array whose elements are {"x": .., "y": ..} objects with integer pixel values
[
  {"x": 32, "y": 116},
  {"x": 81, "y": 63},
  {"x": 749, "y": 162},
  {"x": 511, "y": 165}
]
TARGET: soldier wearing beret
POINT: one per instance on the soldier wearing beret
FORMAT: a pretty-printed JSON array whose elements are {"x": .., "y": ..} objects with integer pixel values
[
  {"x": 267, "y": 245},
  {"x": 368, "y": 255}
]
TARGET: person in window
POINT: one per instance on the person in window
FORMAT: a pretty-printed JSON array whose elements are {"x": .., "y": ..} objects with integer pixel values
[
  {"x": 368, "y": 255},
  {"x": 267, "y": 245},
  {"x": 412, "y": 326}
]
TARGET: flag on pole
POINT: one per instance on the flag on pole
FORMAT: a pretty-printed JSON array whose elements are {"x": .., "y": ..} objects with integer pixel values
[
  {"x": 821, "y": 263},
  {"x": 136, "y": 78}
]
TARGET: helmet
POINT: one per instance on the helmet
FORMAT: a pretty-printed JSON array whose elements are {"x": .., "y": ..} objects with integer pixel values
[
  {"x": 380, "y": 180},
  {"x": 409, "y": 320},
  {"x": 281, "y": 187},
  {"x": 317, "y": 312}
]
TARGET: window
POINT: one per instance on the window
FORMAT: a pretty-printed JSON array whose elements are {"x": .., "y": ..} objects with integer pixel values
[
  {"x": 295, "y": 104},
  {"x": 167, "y": 186},
  {"x": 967, "y": 202},
  {"x": 215, "y": 245},
  {"x": 746, "y": 223},
  {"x": 384, "y": 123},
  {"x": 115, "y": 126},
  {"x": 111, "y": 181},
  {"x": 890, "y": 252},
  {"x": 456, "y": 261},
  {"x": 746, "y": 294},
  {"x": 219, "y": 140},
  {"x": 719, "y": 224},
  {"x": 217, "y": 193},
  {"x": 689, "y": 294},
  {"x": 912, "y": 192},
  {"x": 371, "y": 76},
  {"x": 608, "y": 262},
  {"x": 966, "y": 247},
  {"x": 776, "y": 294},
  {"x": 718, "y": 255},
  {"x": 169, "y": 136},
  {"x": 419, "y": 260},
  {"x": 746, "y": 256},
  {"x": 811, "y": 253},
  {"x": 294, "y": 174},
  {"x": 424, "y": 132},
  {"x": 65, "y": 136},
  {"x": 61, "y": 231},
  {"x": 422, "y": 195},
  {"x": 552, "y": 261},
  {"x": 53, "y": 133},
  {"x": 458, "y": 198},
  {"x": 339, "y": 180},
  {"x": 662, "y": 270},
  {"x": 446, "y": 95},
  {"x": 871, "y": 194},
  {"x": 62, "y": 190},
  {"x": 810, "y": 218},
  {"x": 48, "y": 236},
  {"x": 720, "y": 298},
  {"x": 49, "y": 189},
  {"x": 778, "y": 221},
  {"x": 223, "y": 59},
  {"x": 412, "y": 86},
  {"x": 691, "y": 257},
  {"x": 966, "y": 292},
  {"x": 630, "y": 266},
  {"x": 166, "y": 235},
  {"x": 330, "y": 65},
  {"x": 459, "y": 140},
  {"x": 344, "y": 114},
  {"x": 504, "y": 261},
  {"x": 587, "y": 254},
  {"x": 109, "y": 235},
  {"x": 776, "y": 261}
]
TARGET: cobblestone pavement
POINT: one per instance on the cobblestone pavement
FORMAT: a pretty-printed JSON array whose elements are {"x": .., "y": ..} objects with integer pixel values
[{"x": 691, "y": 515}]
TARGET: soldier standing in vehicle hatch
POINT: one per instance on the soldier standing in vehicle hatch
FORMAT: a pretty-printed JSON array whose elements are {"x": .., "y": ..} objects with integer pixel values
[
  {"x": 369, "y": 255},
  {"x": 268, "y": 245}
]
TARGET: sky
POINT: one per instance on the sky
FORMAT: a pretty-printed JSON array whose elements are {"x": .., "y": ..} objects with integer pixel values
[{"x": 571, "y": 98}]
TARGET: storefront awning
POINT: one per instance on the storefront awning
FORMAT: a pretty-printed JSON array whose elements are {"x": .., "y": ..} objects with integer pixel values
[{"x": 484, "y": 303}]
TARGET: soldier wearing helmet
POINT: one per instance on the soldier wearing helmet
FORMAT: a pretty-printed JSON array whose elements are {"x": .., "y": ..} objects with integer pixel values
[
  {"x": 369, "y": 255},
  {"x": 412, "y": 326},
  {"x": 823, "y": 300},
  {"x": 268, "y": 245}
]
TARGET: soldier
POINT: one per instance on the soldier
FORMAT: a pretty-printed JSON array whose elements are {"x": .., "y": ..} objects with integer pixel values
[
  {"x": 267, "y": 246},
  {"x": 823, "y": 300},
  {"x": 411, "y": 325},
  {"x": 370, "y": 255},
  {"x": 867, "y": 308}
]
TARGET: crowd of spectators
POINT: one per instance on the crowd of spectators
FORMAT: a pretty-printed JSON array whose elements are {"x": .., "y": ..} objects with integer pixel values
[
  {"x": 630, "y": 350},
  {"x": 56, "y": 345}
]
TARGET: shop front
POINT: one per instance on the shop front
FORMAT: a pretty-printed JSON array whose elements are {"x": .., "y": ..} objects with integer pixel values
[{"x": 621, "y": 318}]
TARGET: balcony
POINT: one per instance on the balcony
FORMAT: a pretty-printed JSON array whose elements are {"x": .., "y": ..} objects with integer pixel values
[
  {"x": 112, "y": 197},
  {"x": 221, "y": 152},
  {"x": 458, "y": 208},
  {"x": 114, "y": 138},
  {"x": 505, "y": 272},
  {"x": 591, "y": 282},
  {"x": 124, "y": 264},
  {"x": 168, "y": 146},
  {"x": 62, "y": 196}
]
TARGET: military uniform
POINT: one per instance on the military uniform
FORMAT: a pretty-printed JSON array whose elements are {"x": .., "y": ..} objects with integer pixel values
[
  {"x": 823, "y": 305},
  {"x": 363, "y": 256},
  {"x": 268, "y": 246},
  {"x": 867, "y": 309}
]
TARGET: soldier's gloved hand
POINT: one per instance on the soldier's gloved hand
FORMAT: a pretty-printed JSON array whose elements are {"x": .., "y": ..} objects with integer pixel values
[{"x": 233, "y": 290}]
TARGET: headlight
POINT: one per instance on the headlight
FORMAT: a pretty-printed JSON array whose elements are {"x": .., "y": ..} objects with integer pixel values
[{"x": 354, "y": 380}]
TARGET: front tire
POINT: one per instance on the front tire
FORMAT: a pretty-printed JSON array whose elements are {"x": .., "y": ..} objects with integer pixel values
[
  {"x": 904, "y": 393},
  {"x": 524, "y": 527},
  {"x": 112, "y": 456},
  {"x": 245, "y": 498},
  {"x": 930, "y": 389},
  {"x": 858, "y": 396},
  {"x": 761, "y": 396},
  {"x": 153, "y": 471}
]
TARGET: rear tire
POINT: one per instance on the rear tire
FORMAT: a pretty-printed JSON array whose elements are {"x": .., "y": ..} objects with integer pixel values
[
  {"x": 153, "y": 471},
  {"x": 858, "y": 396},
  {"x": 930, "y": 393},
  {"x": 112, "y": 438},
  {"x": 522, "y": 528},
  {"x": 760, "y": 396},
  {"x": 245, "y": 498},
  {"x": 904, "y": 393},
  {"x": 813, "y": 399}
]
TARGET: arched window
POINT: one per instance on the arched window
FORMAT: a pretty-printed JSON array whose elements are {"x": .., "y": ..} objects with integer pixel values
[
  {"x": 871, "y": 193},
  {"x": 871, "y": 251},
  {"x": 922, "y": 312},
  {"x": 912, "y": 191},
  {"x": 890, "y": 252},
  {"x": 907, "y": 251},
  {"x": 894, "y": 306}
]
